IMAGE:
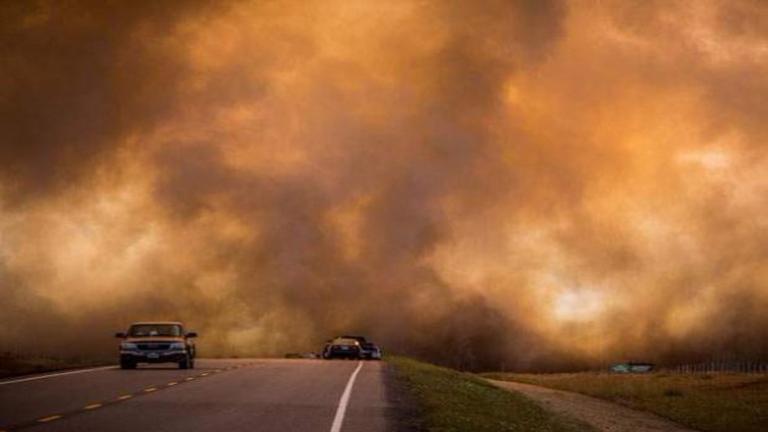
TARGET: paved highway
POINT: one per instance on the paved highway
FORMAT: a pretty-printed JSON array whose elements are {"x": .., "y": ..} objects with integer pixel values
[{"x": 219, "y": 395}]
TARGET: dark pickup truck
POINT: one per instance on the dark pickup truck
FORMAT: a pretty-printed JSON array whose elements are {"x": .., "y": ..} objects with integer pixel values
[{"x": 157, "y": 342}]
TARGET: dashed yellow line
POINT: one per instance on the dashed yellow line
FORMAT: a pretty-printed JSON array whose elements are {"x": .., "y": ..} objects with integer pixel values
[{"x": 124, "y": 397}]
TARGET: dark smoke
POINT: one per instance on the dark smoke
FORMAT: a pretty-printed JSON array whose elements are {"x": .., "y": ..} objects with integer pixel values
[{"x": 532, "y": 185}]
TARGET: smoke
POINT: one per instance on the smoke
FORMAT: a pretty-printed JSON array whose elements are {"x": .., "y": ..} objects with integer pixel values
[{"x": 518, "y": 184}]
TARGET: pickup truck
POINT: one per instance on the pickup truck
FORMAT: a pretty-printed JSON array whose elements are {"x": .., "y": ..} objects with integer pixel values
[{"x": 157, "y": 342}]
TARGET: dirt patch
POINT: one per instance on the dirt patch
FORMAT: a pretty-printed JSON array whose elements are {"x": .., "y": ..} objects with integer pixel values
[
  {"x": 603, "y": 415},
  {"x": 758, "y": 384}
]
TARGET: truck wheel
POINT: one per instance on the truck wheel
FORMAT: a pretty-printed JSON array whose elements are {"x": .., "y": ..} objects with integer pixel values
[{"x": 184, "y": 364}]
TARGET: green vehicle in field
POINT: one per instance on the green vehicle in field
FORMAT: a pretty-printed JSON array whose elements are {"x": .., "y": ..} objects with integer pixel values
[{"x": 632, "y": 367}]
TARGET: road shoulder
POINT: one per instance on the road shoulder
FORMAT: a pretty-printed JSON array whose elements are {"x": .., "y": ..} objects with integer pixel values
[
  {"x": 449, "y": 400},
  {"x": 602, "y": 415}
]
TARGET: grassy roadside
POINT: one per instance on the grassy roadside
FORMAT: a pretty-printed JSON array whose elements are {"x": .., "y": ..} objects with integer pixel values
[
  {"x": 13, "y": 365},
  {"x": 451, "y": 401},
  {"x": 711, "y": 403}
]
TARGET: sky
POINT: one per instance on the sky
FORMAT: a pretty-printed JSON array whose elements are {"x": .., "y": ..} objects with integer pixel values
[{"x": 529, "y": 185}]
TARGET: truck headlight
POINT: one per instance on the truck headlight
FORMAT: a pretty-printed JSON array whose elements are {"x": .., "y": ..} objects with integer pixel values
[
  {"x": 177, "y": 346},
  {"x": 128, "y": 346}
]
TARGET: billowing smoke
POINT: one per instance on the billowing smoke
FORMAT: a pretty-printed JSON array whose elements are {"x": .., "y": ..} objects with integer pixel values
[{"x": 519, "y": 184}]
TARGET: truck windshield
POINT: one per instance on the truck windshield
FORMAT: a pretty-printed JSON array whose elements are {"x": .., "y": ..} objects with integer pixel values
[{"x": 141, "y": 330}]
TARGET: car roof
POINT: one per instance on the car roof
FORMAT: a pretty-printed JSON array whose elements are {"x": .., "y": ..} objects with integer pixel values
[
  {"x": 345, "y": 340},
  {"x": 357, "y": 338},
  {"x": 156, "y": 323}
]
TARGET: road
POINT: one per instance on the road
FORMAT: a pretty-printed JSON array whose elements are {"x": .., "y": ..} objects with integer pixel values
[{"x": 219, "y": 395}]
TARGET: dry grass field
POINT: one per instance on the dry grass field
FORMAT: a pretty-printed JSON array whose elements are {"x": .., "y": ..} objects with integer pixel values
[{"x": 728, "y": 402}]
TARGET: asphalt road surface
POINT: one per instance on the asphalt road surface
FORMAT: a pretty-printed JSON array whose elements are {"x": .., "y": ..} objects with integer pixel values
[{"x": 218, "y": 395}]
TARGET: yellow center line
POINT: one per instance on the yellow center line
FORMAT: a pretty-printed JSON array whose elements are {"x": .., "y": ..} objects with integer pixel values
[
  {"x": 92, "y": 406},
  {"x": 172, "y": 383},
  {"x": 49, "y": 418},
  {"x": 149, "y": 390},
  {"x": 189, "y": 378},
  {"x": 124, "y": 397},
  {"x": 204, "y": 374}
]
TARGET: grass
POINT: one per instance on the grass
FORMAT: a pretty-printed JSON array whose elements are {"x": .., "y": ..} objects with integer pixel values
[
  {"x": 15, "y": 365},
  {"x": 451, "y": 401},
  {"x": 712, "y": 403}
]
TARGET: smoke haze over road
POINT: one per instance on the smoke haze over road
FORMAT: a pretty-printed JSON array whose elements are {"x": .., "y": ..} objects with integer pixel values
[{"x": 533, "y": 184}]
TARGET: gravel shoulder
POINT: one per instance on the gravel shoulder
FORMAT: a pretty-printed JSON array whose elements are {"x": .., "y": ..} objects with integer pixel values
[{"x": 602, "y": 415}]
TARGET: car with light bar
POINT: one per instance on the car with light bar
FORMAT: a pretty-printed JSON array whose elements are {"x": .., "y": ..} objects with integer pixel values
[{"x": 370, "y": 351}]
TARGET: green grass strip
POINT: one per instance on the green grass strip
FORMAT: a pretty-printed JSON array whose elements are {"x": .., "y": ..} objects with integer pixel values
[{"x": 451, "y": 401}]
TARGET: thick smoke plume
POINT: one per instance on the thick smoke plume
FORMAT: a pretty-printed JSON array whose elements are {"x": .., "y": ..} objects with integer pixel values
[{"x": 519, "y": 184}]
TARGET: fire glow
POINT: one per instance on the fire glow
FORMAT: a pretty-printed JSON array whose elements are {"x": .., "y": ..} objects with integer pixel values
[{"x": 417, "y": 171}]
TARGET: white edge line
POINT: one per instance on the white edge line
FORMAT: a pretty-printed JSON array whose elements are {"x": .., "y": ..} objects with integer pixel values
[
  {"x": 53, "y": 375},
  {"x": 344, "y": 401}
]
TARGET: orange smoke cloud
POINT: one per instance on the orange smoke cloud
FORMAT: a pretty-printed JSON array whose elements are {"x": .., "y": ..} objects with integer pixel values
[{"x": 526, "y": 184}]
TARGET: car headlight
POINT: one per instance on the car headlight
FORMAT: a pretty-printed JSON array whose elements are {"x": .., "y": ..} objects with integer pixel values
[
  {"x": 128, "y": 346},
  {"x": 177, "y": 346}
]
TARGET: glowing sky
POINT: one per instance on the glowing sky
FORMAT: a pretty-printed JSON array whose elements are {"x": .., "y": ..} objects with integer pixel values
[{"x": 527, "y": 183}]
